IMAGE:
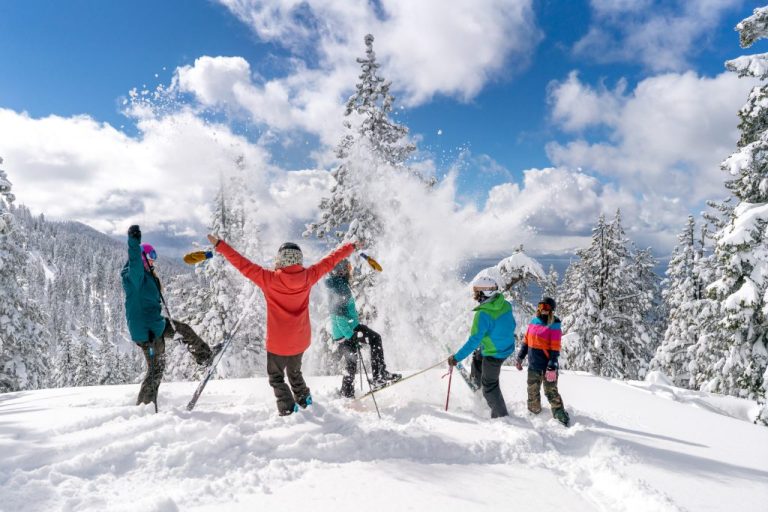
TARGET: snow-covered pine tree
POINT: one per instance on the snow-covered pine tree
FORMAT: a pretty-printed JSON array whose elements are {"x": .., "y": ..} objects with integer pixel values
[
  {"x": 710, "y": 353},
  {"x": 85, "y": 365},
  {"x": 549, "y": 287},
  {"x": 683, "y": 292},
  {"x": 246, "y": 357},
  {"x": 580, "y": 313},
  {"x": 63, "y": 374},
  {"x": 349, "y": 212},
  {"x": 608, "y": 299},
  {"x": 23, "y": 346},
  {"x": 216, "y": 296},
  {"x": 372, "y": 147},
  {"x": 742, "y": 245}
]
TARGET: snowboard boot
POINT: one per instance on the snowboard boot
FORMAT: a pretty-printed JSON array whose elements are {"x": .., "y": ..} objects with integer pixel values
[
  {"x": 288, "y": 412},
  {"x": 385, "y": 378},
  {"x": 561, "y": 416},
  {"x": 304, "y": 401}
]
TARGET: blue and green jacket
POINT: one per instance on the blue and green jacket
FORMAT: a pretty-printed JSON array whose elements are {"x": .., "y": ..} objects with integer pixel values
[
  {"x": 493, "y": 330},
  {"x": 142, "y": 297},
  {"x": 344, "y": 317}
]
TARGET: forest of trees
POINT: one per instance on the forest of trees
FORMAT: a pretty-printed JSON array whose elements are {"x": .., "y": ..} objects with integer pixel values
[{"x": 704, "y": 325}]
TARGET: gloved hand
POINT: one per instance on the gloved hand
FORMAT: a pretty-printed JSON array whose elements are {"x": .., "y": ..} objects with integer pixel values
[
  {"x": 452, "y": 361},
  {"x": 134, "y": 232},
  {"x": 518, "y": 364},
  {"x": 550, "y": 374}
]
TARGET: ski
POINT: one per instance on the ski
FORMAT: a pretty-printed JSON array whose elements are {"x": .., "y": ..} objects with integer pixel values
[
  {"x": 208, "y": 374},
  {"x": 212, "y": 367},
  {"x": 465, "y": 374},
  {"x": 392, "y": 383}
]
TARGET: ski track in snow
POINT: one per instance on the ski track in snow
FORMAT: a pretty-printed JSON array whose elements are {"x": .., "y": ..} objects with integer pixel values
[{"x": 93, "y": 452}]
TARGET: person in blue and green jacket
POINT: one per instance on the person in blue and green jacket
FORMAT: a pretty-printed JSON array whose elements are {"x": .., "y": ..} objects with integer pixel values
[
  {"x": 492, "y": 339},
  {"x": 347, "y": 330}
]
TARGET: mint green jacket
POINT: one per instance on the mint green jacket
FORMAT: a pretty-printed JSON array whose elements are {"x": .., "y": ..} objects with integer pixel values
[{"x": 344, "y": 317}]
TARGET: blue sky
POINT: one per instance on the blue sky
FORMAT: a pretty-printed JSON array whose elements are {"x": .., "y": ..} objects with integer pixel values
[{"x": 550, "y": 84}]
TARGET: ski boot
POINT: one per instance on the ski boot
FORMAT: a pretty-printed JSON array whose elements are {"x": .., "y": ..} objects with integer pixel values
[{"x": 214, "y": 352}]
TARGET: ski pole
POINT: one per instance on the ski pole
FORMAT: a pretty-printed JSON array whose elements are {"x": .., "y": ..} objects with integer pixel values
[
  {"x": 370, "y": 386},
  {"x": 448, "y": 396},
  {"x": 162, "y": 298}
]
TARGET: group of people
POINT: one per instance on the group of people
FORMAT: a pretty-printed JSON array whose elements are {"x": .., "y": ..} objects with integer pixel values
[
  {"x": 492, "y": 341},
  {"x": 287, "y": 289}
]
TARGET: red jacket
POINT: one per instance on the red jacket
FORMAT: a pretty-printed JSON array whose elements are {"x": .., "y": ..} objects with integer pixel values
[{"x": 287, "y": 293}]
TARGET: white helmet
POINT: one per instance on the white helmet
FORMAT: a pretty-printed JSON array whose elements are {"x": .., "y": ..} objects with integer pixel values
[{"x": 485, "y": 284}]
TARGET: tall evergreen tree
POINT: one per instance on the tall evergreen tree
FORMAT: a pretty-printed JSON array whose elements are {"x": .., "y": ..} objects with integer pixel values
[
  {"x": 23, "y": 349},
  {"x": 85, "y": 367},
  {"x": 372, "y": 138},
  {"x": 682, "y": 294},
  {"x": 742, "y": 246},
  {"x": 608, "y": 299}
]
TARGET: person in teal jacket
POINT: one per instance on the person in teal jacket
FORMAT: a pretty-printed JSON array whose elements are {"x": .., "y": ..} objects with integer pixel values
[
  {"x": 349, "y": 332},
  {"x": 146, "y": 324},
  {"x": 492, "y": 339}
]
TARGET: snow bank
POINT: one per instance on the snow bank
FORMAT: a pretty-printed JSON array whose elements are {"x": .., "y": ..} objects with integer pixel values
[{"x": 634, "y": 446}]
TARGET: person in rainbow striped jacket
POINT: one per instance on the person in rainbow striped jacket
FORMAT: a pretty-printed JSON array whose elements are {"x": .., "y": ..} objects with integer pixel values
[{"x": 542, "y": 345}]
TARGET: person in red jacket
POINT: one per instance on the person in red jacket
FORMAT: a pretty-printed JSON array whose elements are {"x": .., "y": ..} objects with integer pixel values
[{"x": 286, "y": 290}]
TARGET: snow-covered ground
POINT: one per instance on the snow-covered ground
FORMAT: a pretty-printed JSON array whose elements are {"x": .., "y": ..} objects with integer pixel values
[{"x": 633, "y": 446}]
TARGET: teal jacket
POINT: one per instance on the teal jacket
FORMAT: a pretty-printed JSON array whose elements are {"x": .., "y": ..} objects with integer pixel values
[
  {"x": 142, "y": 297},
  {"x": 493, "y": 330},
  {"x": 344, "y": 317}
]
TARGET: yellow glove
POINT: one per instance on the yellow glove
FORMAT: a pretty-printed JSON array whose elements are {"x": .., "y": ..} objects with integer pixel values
[{"x": 197, "y": 256}]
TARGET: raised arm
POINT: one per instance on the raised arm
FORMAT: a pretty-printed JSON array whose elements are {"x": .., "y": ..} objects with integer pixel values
[
  {"x": 325, "y": 265},
  {"x": 133, "y": 273},
  {"x": 251, "y": 270}
]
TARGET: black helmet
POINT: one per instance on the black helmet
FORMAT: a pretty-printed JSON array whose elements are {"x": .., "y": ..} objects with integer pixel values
[{"x": 549, "y": 301}]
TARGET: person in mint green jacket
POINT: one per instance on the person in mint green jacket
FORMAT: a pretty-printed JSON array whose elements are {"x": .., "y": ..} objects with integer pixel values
[
  {"x": 349, "y": 332},
  {"x": 492, "y": 339}
]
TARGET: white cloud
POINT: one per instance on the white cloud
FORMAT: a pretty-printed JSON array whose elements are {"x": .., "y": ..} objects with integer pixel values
[
  {"x": 655, "y": 34},
  {"x": 666, "y": 138},
  {"x": 425, "y": 49},
  {"x": 576, "y": 106},
  {"x": 78, "y": 169}
]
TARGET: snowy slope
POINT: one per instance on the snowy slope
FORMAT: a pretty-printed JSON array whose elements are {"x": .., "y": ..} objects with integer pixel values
[{"x": 635, "y": 446}]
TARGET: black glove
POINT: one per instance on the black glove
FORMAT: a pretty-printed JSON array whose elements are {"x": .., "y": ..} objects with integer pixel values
[
  {"x": 452, "y": 361},
  {"x": 134, "y": 232},
  {"x": 552, "y": 365}
]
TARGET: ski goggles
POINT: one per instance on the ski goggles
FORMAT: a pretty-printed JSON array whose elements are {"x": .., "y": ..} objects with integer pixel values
[
  {"x": 545, "y": 307},
  {"x": 151, "y": 255}
]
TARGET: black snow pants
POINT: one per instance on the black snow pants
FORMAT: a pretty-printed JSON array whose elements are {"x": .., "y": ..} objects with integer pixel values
[
  {"x": 485, "y": 372},
  {"x": 349, "y": 358},
  {"x": 277, "y": 368},
  {"x": 156, "y": 360}
]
